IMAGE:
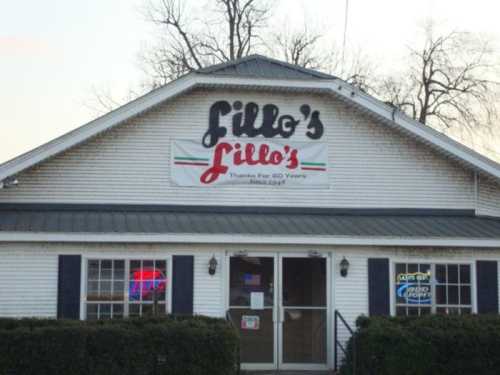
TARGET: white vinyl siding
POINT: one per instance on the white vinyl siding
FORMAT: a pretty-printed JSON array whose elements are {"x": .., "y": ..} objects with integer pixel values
[
  {"x": 488, "y": 197},
  {"x": 208, "y": 289},
  {"x": 370, "y": 164},
  {"x": 28, "y": 284}
]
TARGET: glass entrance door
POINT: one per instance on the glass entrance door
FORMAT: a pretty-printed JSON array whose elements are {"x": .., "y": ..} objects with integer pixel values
[
  {"x": 304, "y": 312},
  {"x": 280, "y": 305},
  {"x": 252, "y": 306}
]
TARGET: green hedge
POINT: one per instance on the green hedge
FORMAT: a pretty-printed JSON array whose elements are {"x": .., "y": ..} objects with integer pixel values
[
  {"x": 158, "y": 346},
  {"x": 430, "y": 345}
]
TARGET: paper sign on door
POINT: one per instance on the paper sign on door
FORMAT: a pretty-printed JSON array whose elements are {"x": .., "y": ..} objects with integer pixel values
[{"x": 257, "y": 301}]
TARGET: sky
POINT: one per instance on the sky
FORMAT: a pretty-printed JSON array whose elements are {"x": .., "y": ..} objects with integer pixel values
[{"x": 55, "y": 53}]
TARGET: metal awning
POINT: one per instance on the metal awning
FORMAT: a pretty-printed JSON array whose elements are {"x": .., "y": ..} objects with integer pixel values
[{"x": 205, "y": 220}]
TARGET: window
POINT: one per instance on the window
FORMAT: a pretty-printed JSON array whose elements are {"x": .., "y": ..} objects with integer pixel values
[
  {"x": 423, "y": 288},
  {"x": 118, "y": 288}
]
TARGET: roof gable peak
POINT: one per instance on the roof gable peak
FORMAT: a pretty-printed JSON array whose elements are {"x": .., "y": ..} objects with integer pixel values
[{"x": 259, "y": 66}]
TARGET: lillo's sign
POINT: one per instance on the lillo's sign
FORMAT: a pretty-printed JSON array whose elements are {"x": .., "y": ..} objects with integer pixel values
[{"x": 227, "y": 159}]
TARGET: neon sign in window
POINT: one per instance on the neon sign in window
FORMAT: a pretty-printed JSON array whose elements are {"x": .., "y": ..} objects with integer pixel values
[
  {"x": 414, "y": 288},
  {"x": 145, "y": 282}
]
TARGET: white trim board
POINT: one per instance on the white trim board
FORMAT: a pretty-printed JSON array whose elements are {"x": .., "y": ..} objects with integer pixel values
[
  {"x": 388, "y": 116},
  {"x": 192, "y": 238}
]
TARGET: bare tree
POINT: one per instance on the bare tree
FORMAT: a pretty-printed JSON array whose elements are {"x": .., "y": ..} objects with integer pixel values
[
  {"x": 447, "y": 83},
  {"x": 189, "y": 43},
  {"x": 299, "y": 48}
]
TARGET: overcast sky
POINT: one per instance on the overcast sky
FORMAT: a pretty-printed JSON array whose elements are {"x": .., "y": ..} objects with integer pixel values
[{"x": 54, "y": 52}]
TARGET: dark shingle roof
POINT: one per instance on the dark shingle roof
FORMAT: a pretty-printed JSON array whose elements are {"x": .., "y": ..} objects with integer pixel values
[
  {"x": 257, "y": 66},
  {"x": 207, "y": 220}
]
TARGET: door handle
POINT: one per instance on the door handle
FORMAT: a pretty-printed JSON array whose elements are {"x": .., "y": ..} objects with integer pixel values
[{"x": 282, "y": 315}]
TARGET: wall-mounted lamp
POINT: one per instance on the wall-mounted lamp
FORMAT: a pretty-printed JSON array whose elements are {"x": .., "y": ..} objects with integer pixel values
[
  {"x": 212, "y": 266},
  {"x": 344, "y": 267}
]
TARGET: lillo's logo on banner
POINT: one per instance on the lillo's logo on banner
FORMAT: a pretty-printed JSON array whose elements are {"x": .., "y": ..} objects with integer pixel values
[{"x": 220, "y": 160}]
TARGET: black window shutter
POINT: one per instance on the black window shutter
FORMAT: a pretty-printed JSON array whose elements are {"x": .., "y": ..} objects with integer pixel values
[
  {"x": 183, "y": 282},
  {"x": 68, "y": 288},
  {"x": 487, "y": 287},
  {"x": 378, "y": 287}
]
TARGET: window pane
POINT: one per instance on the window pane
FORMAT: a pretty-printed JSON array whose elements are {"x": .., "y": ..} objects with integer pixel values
[
  {"x": 135, "y": 268},
  {"x": 452, "y": 274},
  {"x": 452, "y": 295},
  {"x": 134, "y": 310},
  {"x": 117, "y": 311},
  {"x": 106, "y": 266},
  {"x": 93, "y": 270},
  {"x": 118, "y": 292},
  {"x": 104, "y": 311},
  {"x": 400, "y": 311},
  {"x": 465, "y": 274},
  {"x": 400, "y": 269},
  {"x": 161, "y": 266},
  {"x": 400, "y": 293},
  {"x": 105, "y": 293},
  {"x": 465, "y": 311},
  {"x": 119, "y": 270},
  {"x": 453, "y": 310},
  {"x": 134, "y": 290},
  {"x": 91, "y": 311},
  {"x": 441, "y": 273},
  {"x": 92, "y": 290},
  {"x": 465, "y": 295},
  {"x": 425, "y": 311},
  {"x": 441, "y": 310},
  {"x": 161, "y": 293},
  {"x": 412, "y": 311},
  {"x": 251, "y": 275},
  {"x": 441, "y": 294},
  {"x": 412, "y": 268},
  {"x": 425, "y": 268},
  {"x": 147, "y": 290}
]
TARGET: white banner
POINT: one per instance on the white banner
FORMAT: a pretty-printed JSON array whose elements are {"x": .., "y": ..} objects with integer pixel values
[{"x": 271, "y": 163}]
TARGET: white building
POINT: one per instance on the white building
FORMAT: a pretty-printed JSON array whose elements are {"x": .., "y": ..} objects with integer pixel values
[{"x": 242, "y": 187}]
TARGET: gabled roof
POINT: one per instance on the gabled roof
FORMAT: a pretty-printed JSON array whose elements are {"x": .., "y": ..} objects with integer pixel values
[
  {"x": 219, "y": 77},
  {"x": 258, "y": 66}
]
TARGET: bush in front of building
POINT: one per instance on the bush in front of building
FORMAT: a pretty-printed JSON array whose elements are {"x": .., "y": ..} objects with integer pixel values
[
  {"x": 428, "y": 345},
  {"x": 159, "y": 346}
]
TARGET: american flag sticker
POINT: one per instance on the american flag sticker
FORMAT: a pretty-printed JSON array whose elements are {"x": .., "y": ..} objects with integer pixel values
[{"x": 251, "y": 279}]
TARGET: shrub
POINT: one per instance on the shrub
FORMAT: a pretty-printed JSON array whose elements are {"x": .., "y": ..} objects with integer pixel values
[
  {"x": 159, "y": 346},
  {"x": 428, "y": 345}
]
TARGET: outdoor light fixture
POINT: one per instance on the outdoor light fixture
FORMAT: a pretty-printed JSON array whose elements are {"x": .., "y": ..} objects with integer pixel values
[
  {"x": 212, "y": 266},
  {"x": 9, "y": 183},
  {"x": 344, "y": 267}
]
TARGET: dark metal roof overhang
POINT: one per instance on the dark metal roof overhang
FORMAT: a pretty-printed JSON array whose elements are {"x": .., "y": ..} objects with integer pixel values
[{"x": 246, "y": 221}]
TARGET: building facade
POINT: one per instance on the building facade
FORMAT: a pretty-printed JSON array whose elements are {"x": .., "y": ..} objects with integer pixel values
[{"x": 257, "y": 190}]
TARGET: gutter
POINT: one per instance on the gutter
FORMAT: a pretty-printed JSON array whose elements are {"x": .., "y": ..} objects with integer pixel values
[{"x": 191, "y": 238}]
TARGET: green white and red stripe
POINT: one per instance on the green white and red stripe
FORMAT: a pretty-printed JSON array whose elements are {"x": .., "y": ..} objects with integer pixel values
[
  {"x": 309, "y": 166},
  {"x": 191, "y": 161}
]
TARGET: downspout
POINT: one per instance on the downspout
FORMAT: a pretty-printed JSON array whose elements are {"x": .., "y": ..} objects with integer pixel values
[{"x": 476, "y": 192}]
